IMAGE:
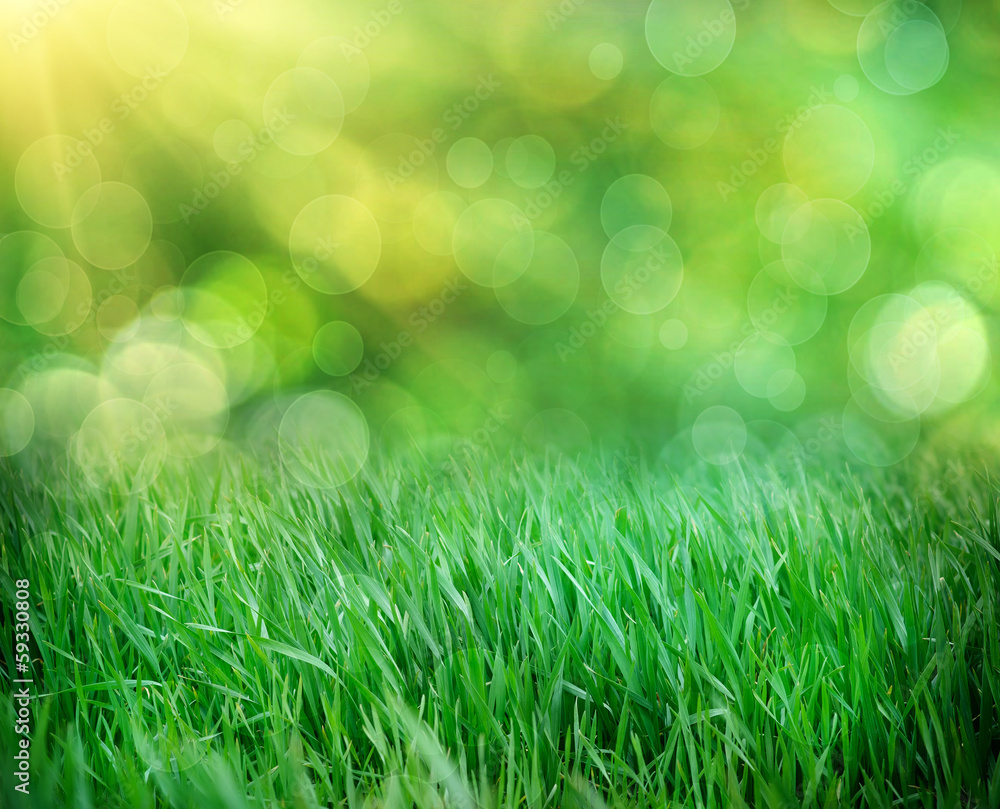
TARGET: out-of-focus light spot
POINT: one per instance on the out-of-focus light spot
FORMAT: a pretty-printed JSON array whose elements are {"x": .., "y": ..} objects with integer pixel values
[
  {"x": 673, "y": 334},
  {"x": 778, "y": 304},
  {"x": 775, "y": 207},
  {"x": 636, "y": 199},
  {"x": 764, "y": 362},
  {"x": 20, "y": 252},
  {"x": 646, "y": 280},
  {"x": 902, "y": 48},
  {"x": 303, "y": 111},
  {"x": 51, "y": 176},
  {"x": 684, "y": 112},
  {"x": 469, "y": 162},
  {"x": 846, "y": 88},
  {"x": 548, "y": 286},
  {"x": 876, "y": 442},
  {"x": 323, "y": 439},
  {"x": 191, "y": 403},
  {"x": 786, "y": 391},
  {"x": 690, "y": 37},
  {"x": 831, "y": 239},
  {"x": 530, "y": 161},
  {"x": 120, "y": 446},
  {"x": 501, "y": 366},
  {"x": 964, "y": 259},
  {"x": 232, "y": 140},
  {"x": 63, "y": 394},
  {"x": 335, "y": 244},
  {"x": 493, "y": 242},
  {"x": 224, "y": 299},
  {"x": 719, "y": 435},
  {"x": 606, "y": 61},
  {"x": 118, "y": 318},
  {"x": 116, "y": 228},
  {"x": 337, "y": 348},
  {"x": 344, "y": 63},
  {"x": 830, "y": 153},
  {"x": 17, "y": 422}
]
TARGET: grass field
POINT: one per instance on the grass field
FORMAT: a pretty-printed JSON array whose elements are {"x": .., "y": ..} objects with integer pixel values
[{"x": 521, "y": 634}]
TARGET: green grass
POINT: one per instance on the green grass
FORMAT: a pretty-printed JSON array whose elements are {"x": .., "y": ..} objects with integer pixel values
[{"x": 523, "y": 634}]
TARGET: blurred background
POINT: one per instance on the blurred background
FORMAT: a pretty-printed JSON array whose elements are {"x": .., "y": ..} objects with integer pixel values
[{"x": 697, "y": 227}]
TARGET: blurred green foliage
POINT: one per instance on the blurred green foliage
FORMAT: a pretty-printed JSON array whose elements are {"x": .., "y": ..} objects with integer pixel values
[{"x": 617, "y": 222}]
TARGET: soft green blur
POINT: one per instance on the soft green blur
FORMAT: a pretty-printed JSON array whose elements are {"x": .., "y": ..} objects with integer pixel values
[{"x": 695, "y": 227}]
